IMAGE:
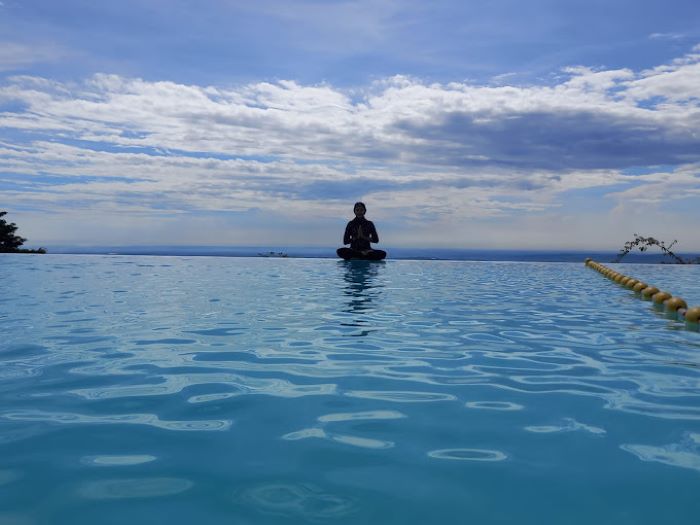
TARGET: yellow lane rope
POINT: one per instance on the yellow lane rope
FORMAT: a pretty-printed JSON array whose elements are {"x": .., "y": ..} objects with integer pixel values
[{"x": 667, "y": 301}]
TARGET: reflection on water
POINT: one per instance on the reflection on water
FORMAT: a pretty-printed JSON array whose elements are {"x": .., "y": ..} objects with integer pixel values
[
  {"x": 361, "y": 285},
  {"x": 361, "y": 288}
]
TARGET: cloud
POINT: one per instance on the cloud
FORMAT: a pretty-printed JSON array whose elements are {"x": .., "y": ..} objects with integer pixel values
[
  {"x": 439, "y": 152},
  {"x": 15, "y": 56},
  {"x": 662, "y": 188},
  {"x": 668, "y": 36},
  {"x": 593, "y": 119},
  {"x": 337, "y": 27},
  {"x": 671, "y": 83}
]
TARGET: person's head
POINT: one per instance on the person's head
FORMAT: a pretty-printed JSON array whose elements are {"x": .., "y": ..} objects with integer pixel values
[{"x": 360, "y": 209}]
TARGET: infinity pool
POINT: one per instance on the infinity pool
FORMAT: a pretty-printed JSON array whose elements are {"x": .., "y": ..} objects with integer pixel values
[{"x": 173, "y": 390}]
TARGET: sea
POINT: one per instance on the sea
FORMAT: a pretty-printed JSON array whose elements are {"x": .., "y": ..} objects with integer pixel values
[
  {"x": 398, "y": 253},
  {"x": 179, "y": 388}
]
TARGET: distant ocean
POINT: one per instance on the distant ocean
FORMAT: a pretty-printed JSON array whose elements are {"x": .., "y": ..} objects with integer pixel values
[{"x": 444, "y": 254}]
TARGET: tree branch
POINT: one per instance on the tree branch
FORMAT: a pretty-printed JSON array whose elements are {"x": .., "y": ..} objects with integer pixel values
[{"x": 644, "y": 243}]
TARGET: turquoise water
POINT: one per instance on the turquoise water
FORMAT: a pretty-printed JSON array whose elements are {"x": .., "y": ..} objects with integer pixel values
[{"x": 248, "y": 390}]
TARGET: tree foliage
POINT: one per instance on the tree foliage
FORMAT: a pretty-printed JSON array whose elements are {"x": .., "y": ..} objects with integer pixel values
[
  {"x": 644, "y": 243},
  {"x": 9, "y": 242}
]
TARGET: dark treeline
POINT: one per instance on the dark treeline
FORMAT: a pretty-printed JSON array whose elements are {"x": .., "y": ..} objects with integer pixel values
[{"x": 9, "y": 242}]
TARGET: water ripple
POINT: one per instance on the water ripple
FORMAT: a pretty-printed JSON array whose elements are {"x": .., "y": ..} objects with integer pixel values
[
  {"x": 122, "y": 419},
  {"x": 357, "y": 416},
  {"x": 346, "y": 439},
  {"x": 117, "y": 461},
  {"x": 494, "y": 405},
  {"x": 103, "y": 358},
  {"x": 305, "y": 501},
  {"x": 401, "y": 397},
  {"x": 685, "y": 454},
  {"x": 135, "y": 488},
  {"x": 569, "y": 425},
  {"x": 468, "y": 454}
]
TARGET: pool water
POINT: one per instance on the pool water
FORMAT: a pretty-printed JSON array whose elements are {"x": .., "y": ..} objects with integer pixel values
[{"x": 138, "y": 389}]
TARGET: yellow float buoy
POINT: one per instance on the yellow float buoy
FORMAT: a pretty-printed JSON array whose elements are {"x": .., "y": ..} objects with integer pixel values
[
  {"x": 675, "y": 303},
  {"x": 660, "y": 297},
  {"x": 631, "y": 283},
  {"x": 639, "y": 287},
  {"x": 649, "y": 291},
  {"x": 692, "y": 315}
]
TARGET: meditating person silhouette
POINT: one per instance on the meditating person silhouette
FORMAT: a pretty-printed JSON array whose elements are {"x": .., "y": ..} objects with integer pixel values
[{"x": 359, "y": 233}]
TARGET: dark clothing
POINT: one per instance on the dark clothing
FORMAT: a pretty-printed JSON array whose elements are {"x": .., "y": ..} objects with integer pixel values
[
  {"x": 359, "y": 233},
  {"x": 371, "y": 255}
]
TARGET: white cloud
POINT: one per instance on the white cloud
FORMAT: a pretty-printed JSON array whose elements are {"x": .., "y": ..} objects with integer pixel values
[
  {"x": 671, "y": 84},
  {"x": 452, "y": 153},
  {"x": 667, "y": 36},
  {"x": 662, "y": 188},
  {"x": 14, "y": 56},
  {"x": 454, "y": 122}
]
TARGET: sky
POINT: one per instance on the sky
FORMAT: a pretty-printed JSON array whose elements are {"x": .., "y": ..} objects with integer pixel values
[{"x": 546, "y": 124}]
